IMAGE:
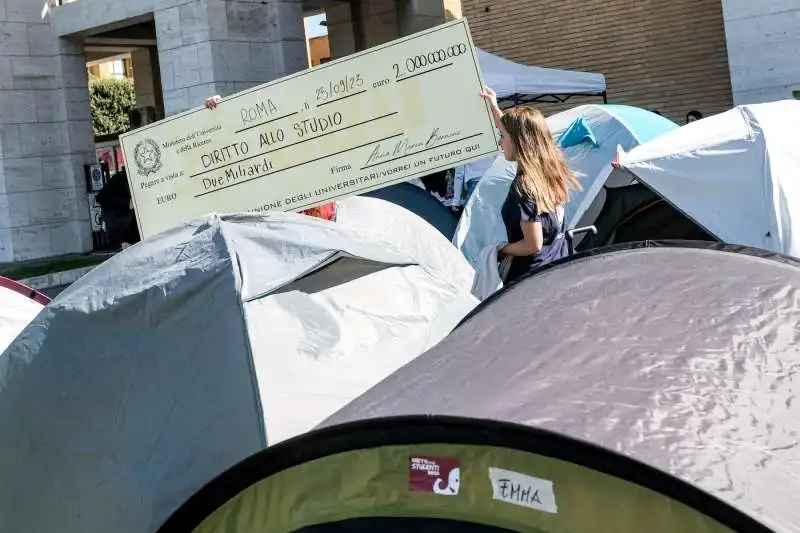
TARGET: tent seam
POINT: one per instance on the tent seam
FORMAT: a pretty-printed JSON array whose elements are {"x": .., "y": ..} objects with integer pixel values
[
  {"x": 236, "y": 267},
  {"x": 775, "y": 234}
]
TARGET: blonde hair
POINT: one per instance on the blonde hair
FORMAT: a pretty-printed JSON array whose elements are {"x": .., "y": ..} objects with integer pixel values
[{"x": 542, "y": 171}]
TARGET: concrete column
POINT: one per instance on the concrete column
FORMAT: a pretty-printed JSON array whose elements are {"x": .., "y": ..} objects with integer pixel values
[
  {"x": 144, "y": 80},
  {"x": 762, "y": 43},
  {"x": 209, "y": 47},
  {"x": 383, "y": 20},
  {"x": 377, "y": 20},
  {"x": 418, "y": 15},
  {"x": 45, "y": 137},
  {"x": 380, "y": 21},
  {"x": 341, "y": 31}
]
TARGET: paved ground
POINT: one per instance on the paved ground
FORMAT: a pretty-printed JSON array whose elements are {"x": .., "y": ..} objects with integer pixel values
[{"x": 52, "y": 292}]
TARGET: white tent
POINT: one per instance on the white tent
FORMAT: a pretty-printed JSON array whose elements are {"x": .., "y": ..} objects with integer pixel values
[
  {"x": 514, "y": 81},
  {"x": 18, "y": 306},
  {"x": 194, "y": 349},
  {"x": 589, "y": 135},
  {"x": 736, "y": 175},
  {"x": 480, "y": 224}
]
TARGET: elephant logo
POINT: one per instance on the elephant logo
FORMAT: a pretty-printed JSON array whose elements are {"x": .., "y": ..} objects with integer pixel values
[
  {"x": 439, "y": 475},
  {"x": 453, "y": 483}
]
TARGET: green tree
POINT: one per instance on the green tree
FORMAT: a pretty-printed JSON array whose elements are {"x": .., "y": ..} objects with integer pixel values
[{"x": 110, "y": 100}]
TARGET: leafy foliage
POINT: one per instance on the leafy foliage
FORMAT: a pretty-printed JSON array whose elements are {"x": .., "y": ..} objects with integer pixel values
[{"x": 110, "y": 100}]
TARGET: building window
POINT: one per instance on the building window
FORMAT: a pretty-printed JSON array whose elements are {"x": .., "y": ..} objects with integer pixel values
[
  {"x": 128, "y": 65},
  {"x": 117, "y": 69}
]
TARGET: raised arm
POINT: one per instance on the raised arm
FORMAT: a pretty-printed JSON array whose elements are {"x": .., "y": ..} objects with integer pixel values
[
  {"x": 491, "y": 98},
  {"x": 213, "y": 101}
]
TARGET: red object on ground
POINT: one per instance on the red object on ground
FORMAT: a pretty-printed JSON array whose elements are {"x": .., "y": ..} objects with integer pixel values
[
  {"x": 324, "y": 211},
  {"x": 24, "y": 290}
]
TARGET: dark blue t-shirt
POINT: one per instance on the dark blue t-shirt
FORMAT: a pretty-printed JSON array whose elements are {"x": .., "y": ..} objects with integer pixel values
[{"x": 517, "y": 209}]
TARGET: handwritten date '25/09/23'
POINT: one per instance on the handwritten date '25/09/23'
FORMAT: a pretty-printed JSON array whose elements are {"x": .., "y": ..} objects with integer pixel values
[
  {"x": 339, "y": 88},
  {"x": 351, "y": 84}
]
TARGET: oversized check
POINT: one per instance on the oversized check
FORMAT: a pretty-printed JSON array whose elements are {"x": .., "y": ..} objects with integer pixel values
[{"x": 385, "y": 115}]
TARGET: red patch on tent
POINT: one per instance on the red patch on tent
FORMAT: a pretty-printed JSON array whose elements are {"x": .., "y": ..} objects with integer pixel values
[
  {"x": 440, "y": 475},
  {"x": 324, "y": 211}
]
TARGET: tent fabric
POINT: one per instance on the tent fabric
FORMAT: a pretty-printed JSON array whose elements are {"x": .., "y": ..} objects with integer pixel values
[
  {"x": 635, "y": 213},
  {"x": 391, "y": 224},
  {"x": 488, "y": 278},
  {"x": 470, "y": 478},
  {"x": 19, "y": 305},
  {"x": 474, "y": 170},
  {"x": 613, "y": 127},
  {"x": 644, "y": 125},
  {"x": 736, "y": 174},
  {"x": 417, "y": 200},
  {"x": 196, "y": 348},
  {"x": 481, "y": 225},
  {"x": 578, "y": 132},
  {"x": 510, "y": 79},
  {"x": 687, "y": 368}
]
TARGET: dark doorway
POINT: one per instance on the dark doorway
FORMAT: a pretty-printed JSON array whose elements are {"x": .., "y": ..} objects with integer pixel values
[{"x": 636, "y": 213}]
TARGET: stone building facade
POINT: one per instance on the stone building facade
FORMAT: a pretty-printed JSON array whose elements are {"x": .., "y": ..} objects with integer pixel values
[
  {"x": 667, "y": 55},
  {"x": 763, "y": 39},
  {"x": 45, "y": 137},
  {"x": 182, "y": 52}
]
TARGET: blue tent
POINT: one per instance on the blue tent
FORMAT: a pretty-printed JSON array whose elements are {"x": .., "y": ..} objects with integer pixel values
[
  {"x": 590, "y": 135},
  {"x": 642, "y": 125},
  {"x": 421, "y": 203}
]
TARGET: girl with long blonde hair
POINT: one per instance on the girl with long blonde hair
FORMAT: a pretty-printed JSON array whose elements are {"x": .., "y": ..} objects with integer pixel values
[{"x": 533, "y": 209}]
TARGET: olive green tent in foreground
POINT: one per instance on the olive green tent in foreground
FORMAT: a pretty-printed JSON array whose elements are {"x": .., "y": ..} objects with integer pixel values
[{"x": 645, "y": 389}]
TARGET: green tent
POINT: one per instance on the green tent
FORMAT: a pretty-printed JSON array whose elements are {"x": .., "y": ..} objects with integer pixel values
[{"x": 639, "y": 389}]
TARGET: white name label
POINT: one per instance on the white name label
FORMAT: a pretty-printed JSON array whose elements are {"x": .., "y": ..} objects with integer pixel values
[{"x": 523, "y": 490}]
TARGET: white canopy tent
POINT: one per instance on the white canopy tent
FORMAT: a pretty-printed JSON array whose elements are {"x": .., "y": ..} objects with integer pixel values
[
  {"x": 196, "y": 348},
  {"x": 736, "y": 175},
  {"x": 516, "y": 83}
]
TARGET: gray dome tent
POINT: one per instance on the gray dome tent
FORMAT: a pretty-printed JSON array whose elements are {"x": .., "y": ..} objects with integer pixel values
[
  {"x": 647, "y": 388},
  {"x": 198, "y": 347}
]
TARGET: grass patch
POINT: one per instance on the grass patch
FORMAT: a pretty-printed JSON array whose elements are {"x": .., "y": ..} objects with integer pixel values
[{"x": 17, "y": 272}]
